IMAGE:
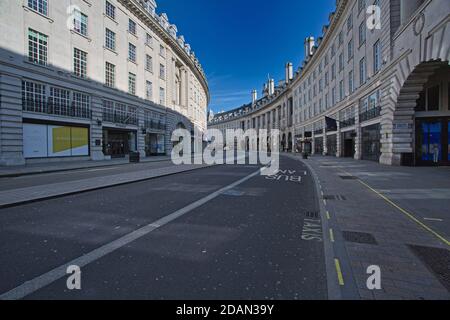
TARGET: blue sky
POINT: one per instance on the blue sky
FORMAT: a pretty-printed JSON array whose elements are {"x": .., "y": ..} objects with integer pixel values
[{"x": 240, "y": 42}]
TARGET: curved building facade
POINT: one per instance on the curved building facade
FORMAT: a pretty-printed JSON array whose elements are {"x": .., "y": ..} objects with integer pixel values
[
  {"x": 85, "y": 79},
  {"x": 374, "y": 86}
]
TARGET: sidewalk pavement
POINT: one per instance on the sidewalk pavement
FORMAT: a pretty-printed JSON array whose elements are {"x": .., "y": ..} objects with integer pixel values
[
  {"x": 38, "y": 168},
  {"x": 397, "y": 218},
  {"x": 16, "y": 197}
]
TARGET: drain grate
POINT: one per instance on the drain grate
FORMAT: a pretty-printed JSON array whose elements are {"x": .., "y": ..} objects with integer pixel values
[
  {"x": 312, "y": 214},
  {"x": 334, "y": 197},
  {"x": 348, "y": 178},
  {"x": 437, "y": 260},
  {"x": 359, "y": 237}
]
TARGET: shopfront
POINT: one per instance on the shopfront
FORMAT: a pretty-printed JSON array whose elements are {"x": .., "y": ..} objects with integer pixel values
[
  {"x": 348, "y": 144},
  {"x": 432, "y": 141},
  {"x": 118, "y": 143},
  {"x": 371, "y": 145},
  {"x": 318, "y": 146},
  {"x": 332, "y": 145},
  {"x": 54, "y": 140},
  {"x": 154, "y": 144}
]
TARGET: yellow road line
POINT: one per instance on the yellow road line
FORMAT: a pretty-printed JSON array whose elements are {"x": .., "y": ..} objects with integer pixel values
[
  {"x": 339, "y": 272},
  {"x": 331, "y": 235},
  {"x": 409, "y": 215}
]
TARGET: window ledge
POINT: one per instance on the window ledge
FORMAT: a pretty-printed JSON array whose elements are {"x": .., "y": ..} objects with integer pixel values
[
  {"x": 81, "y": 35},
  {"x": 133, "y": 62},
  {"x": 44, "y": 66},
  {"x": 26, "y": 8},
  {"x": 111, "y": 50},
  {"x": 110, "y": 18}
]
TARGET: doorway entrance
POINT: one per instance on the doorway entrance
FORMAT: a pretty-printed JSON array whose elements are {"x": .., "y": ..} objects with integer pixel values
[
  {"x": 118, "y": 143},
  {"x": 348, "y": 144}
]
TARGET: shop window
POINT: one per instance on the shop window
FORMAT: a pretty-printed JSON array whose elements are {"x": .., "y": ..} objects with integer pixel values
[{"x": 421, "y": 102}]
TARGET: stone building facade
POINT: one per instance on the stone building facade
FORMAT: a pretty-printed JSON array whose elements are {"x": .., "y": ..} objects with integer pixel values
[
  {"x": 374, "y": 86},
  {"x": 94, "y": 79}
]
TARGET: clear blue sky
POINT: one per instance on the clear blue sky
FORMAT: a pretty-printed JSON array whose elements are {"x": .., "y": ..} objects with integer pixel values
[{"x": 239, "y": 42}]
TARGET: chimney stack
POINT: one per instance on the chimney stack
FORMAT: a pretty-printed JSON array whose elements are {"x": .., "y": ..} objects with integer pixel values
[
  {"x": 309, "y": 45},
  {"x": 289, "y": 72},
  {"x": 271, "y": 87},
  {"x": 254, "y": 96}
]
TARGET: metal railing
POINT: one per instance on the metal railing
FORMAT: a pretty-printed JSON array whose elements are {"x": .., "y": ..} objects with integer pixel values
[
  {"x": 154, "y": 125},
  {"x": 51, "y": 108},
  {"x": 120, "y": 118},
  {"x": 348, "y": 123},
  {"x": 370, "y": 114}
]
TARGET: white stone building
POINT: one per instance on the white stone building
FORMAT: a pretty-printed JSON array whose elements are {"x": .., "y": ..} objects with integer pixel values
[
  {"x": 371, "y": 93},
  {"x": 94, "y": 79}
]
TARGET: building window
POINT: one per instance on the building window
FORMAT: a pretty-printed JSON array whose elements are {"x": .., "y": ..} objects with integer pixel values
[
  {"x": 149, "y": 90},
  {"x": 350, "y": 82},
  {"x": 341, "y": 90},
  {"x": 149, "y": 63},
  {"x": 110, "y": 75},
  {"x": 110, "y": 40},
  {"x": 149, "y": 40},
  {"x": 341, "y": 62},
  {"x": 362, "y": 71},
  {"x": 80, "y": 23},
  {"x": 33, "y": 97},
  {"x": 37, "y": 47},
  {"x": 132, "y": 83},
  {"x": 341, "y": 38},
  {"x": 376, "y": 57},
  {"x": 132, "y": 27},
  {"x": 110, "y": 10},
  {"x": 433, "y": 98},
  {"x": 350, "y": 50},
  {"x": 162, "y": 51},
  {"x": 333, "y": 96},
  {"x": 361, "y": 5},
  {"x": 40, "y": 6},
  {"x": 362, "y": 33},
  {"x": 132, "y": 52},
  {"x": 349, "y": 23},
  {"x": 81, "y": 105},
  {"x": 162, "y": 96},
  {"x": 333, "y": 71},
  {"x": 79, "y": 63},
  {"x": 162, "y": 71}
]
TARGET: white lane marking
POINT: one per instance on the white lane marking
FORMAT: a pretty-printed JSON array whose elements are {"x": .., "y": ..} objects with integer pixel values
[
  {"x": 433, "y": 219},
  {"x": 48, "y": 278}
]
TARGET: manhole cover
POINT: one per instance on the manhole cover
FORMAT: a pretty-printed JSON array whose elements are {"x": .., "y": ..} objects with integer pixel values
[
  {"x": 312, "y": 214},
  {"x": 359, "y": 237},
  {"x": 437, "y": 260},
  {"x": 348, "y": 178},
  {"x": 334, "y": 197}
]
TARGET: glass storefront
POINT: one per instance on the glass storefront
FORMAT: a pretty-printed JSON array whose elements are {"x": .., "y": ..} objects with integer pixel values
[
  {"x": 118, "y": 143},
  {"x": 332, "y": 145},
  {"x": 348, "y": 144},
  {"x": 154, "y": 144},
  {"x": 318, "y": 146},
  {"x": 432, "y": 141},
  {"x": 371, "y": 146}
]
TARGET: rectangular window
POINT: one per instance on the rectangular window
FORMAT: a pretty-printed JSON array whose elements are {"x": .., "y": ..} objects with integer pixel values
[
  {"x": 376, "y": 57},
  {"x": 79, "y": 63},
  {"x": 162, "y": 96},
  {"x": 362, "y": 71},
  {"x": 149, "y": 90},
  {"x": 149, "y": 63},
  {"x": 110, "y": 10},
  {"x": 333, "y": 96},
  {"x": 433, "y": 98},
  {"x": 333, "y": 71},
  {"x": 132, "y": 83},
  {"x": 341, "y": 90},
  {"x": 110, "y": 75},
  {"x": 350, "y": 82},
  {"x": 59, "y": 101},
  {"x": 162, "y": 51},
  {"x": 350, "y": 49},
  {"x": 37, "y": 47},
  {"x": 81, "y": 105},
  {"x": 80, "y": 23},
  {"x": 33, "y": 97},
  {"x": 349, "y": 23},
  {"x": 162, "y": 71},
  {"x": 341, "y": 62},
  {"x": 341, "y": 38},
  {"x": 40, "y": 6},
  {"x": 110, "y": 40},
  {"x": 132, "y": 52},
  {"x": 132, "y": 27},
  {"x": 361, "y": 5},
  {"x": 362, "y": 33},
  {"x": 149, "y": 40}
]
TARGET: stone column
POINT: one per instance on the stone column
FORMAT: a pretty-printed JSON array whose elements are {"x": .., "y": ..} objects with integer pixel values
[
  {"x": 96, "y": 139},
  {"x": 325, "y": 146},
  {"x": 140, "y": 134},
  {"x": 338, "y": 141},
  {"x": 358, "y": 139}
]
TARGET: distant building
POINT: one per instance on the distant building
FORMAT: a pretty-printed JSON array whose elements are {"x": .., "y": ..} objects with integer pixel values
[
  {"x": 94, "y": 80},
  {"x": 381, "y": 95}
]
